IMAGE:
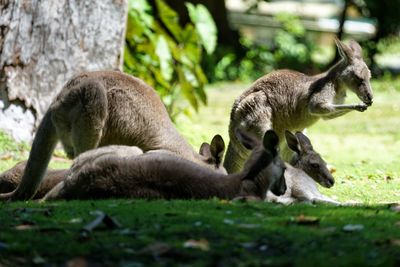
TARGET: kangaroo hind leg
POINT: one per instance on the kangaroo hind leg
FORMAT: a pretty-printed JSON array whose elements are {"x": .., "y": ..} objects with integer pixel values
[{"x": 79, "y": 117}]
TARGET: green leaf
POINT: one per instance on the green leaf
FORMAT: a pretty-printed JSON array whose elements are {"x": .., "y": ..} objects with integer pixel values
[
  {"x": 187, "y": 89},
  {"x": 165, "y": 57},
  {"x": 205, "y": 26},
  {"x": 141, "y": 9},
  {"x": 170, "y": 19}
]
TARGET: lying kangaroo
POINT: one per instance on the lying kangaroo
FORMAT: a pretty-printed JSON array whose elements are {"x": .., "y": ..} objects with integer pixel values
[
  {"x": 10, "y": 179},
  {"x": 289, "y": 100},
  {"x": 101, "y": 108},
  {"x": 163, "y": 175},
  {"x": 301, "y": 175}
]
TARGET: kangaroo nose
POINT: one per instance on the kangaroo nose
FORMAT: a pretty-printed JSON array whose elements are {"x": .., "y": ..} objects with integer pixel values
[{"x": 329, "y": 183}]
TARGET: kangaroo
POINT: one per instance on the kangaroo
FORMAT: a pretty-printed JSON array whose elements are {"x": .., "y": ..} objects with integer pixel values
[
  {"x": 301, "y": 175},
  {"x": 10, "y": 179},
  {"x": 101, "y": 108},
  {"x": 289, "y": 100},
  {"x": 164, "y": 175}
]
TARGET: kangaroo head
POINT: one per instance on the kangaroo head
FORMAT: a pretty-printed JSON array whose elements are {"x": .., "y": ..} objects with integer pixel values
[
  {"x": 264, "y": 167},
  {"x": 308, "y": 159},
  {"x": 214, "y": 153},
  {"x": 356, "y": 74}
]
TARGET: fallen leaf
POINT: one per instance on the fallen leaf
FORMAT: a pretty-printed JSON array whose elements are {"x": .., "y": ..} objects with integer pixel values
[
  {"x": 77, "y": 262},
  {"x": 248, "y": 225},
  {"x": 306, "y": 220},
  {"x": 395, "y": 242},
  {"x": 229, "y": 221},
  {"x": 38, "y": 260},
  {"x": 156, "y": 249},
  {"x": 201, "y": 244},
  {"x": 76, "y": 220},
  {"x": 23, "y": 227},
  {"x": 6, "y": 156},
  {"x": 101, "y": 219},
  {"x": 353, "y": 227}
]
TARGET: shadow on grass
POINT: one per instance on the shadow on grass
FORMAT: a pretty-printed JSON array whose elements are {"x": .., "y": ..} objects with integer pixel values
[{"x": 200, "y": 233}]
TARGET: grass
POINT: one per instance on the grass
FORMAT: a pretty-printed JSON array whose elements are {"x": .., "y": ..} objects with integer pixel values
[
  {"x": 363, "y": 147},
  {"x": 220, "y": 233}
]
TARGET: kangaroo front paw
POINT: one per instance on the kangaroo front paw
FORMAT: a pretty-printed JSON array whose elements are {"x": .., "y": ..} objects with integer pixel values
[{"x": 361, "y": 107}]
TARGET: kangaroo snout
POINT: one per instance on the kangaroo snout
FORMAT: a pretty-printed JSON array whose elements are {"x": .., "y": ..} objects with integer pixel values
[
  {"x": 328, "y": 183},
  {"x": 279, "y": 187}
]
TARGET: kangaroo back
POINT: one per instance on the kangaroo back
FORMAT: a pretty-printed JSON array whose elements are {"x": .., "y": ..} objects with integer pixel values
[{"x": 164, "y": 175}]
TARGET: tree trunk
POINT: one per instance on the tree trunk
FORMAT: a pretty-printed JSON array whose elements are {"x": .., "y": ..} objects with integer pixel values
[{"x": 43, "y": 43}]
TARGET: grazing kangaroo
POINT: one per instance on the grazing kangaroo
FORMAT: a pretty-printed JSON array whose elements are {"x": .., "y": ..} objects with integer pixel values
[
  {"x": 301, "y": 175},
  {"x": 163, "y": 175},
  {"x": 101, "y": 108},
  {"x": 289, "y": 100}
]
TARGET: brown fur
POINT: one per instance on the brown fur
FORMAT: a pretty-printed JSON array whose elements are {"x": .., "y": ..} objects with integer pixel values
[
  {"x": 289, "y": 100},
  {"x": 163, "y": 175},
  {"x": 97, "y": 109},
  {"x": 301, "y": 175},
  {"x": 10, "y": 179}
]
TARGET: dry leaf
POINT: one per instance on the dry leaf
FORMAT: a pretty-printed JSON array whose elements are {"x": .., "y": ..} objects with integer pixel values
[
  {"x": 395, "y": 242},
  {"x": 156, "y": 249},
  {"x": 201, "y": 244},
  {"x": 248, "y": 225},
  {"x": 23, "y": 227},
  {"x": 353, "y": 227},
  {"x": 306, "y": 220}
]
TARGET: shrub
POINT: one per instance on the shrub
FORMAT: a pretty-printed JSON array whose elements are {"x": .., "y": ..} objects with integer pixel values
[{"x": 166, "y": 55}]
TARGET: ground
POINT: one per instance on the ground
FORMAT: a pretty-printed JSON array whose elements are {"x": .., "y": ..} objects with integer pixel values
[{"x": 363, "y": 147}]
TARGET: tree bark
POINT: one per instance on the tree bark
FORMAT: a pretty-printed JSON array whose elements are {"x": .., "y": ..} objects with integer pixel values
[{"x": 43, "y": 43}]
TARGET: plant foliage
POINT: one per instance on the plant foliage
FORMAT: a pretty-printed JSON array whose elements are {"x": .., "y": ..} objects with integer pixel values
[
  {"x": 290, "y": 48},
  {"x": 166, "y": 55}
]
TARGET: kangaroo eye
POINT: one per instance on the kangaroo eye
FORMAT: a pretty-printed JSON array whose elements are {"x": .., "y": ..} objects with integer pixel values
[
  {"x": 358, "y": 80},
  {"x": 314, "y": 165}
]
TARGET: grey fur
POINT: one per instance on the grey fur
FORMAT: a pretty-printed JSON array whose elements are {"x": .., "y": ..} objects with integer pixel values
[
  {"x": 97, "y": 109},
  {"x": 301, "y": 176},
  {"x": 289, "y": 100},
  {"x": 164, "y": 175}
]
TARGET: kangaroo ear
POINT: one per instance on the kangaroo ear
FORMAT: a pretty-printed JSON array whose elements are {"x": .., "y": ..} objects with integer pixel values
[
  {"x": 344, "y": 51},
  {"x": 205, "y": 150},
  {"x": 271, "y": 141},
  {"x": 217, "y": 148},
  {"x": 304, "y": 142},
  {"x": 246, "y": 140},
  {"x": 292, "y": 142},
  {"x": 356, "y": 48}
]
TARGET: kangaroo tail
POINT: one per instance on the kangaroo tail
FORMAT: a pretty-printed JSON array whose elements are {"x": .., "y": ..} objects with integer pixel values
[{"x": 39, "y": 157}]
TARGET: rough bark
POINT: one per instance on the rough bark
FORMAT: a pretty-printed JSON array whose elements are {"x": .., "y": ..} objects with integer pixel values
[{"x": 43, "y": 43}]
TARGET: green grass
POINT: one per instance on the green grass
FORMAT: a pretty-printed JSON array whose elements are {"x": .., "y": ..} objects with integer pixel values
[
  {"x": 153, "y": 233},
  {"x": 363, "y": 147}
]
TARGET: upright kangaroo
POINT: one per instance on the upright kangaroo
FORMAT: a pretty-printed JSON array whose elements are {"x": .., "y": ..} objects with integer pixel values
[
  {"x": 301, "y": 175},
  {"x": 164, "y": 175},
  {"x": 289, "y": 100},
  {"x": 96, "y": 109}
]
